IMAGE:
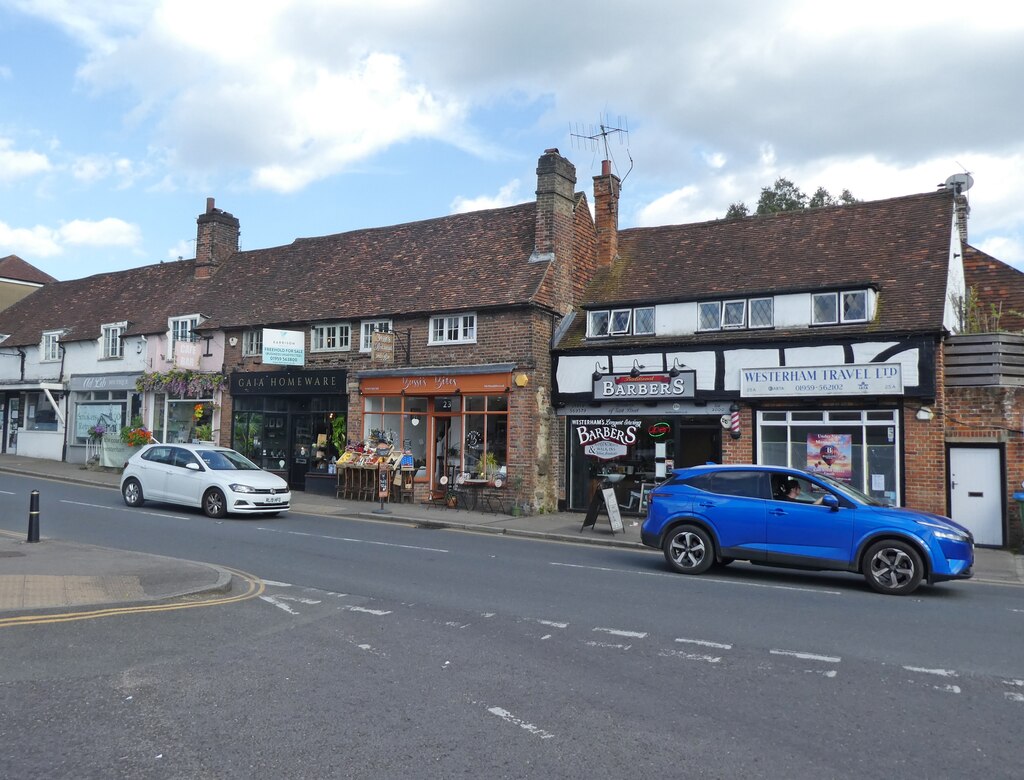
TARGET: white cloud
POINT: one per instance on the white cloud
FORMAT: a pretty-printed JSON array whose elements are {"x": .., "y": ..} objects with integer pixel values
[
  {"x": 37, "y": 241},
  {"x": 16, "y": 164},
  {"x": 103, "y": 232},
  {"x": 507, "y": 196},
  {"x": 182, "y": 250}
]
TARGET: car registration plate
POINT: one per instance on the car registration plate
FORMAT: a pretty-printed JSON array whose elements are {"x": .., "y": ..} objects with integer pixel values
[{"x": 273, "y": 499}]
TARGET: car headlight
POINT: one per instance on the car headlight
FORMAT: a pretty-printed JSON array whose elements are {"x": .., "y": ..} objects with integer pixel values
[
  {"x": 242, "y": 488},
  {"x": 953, "y": 536}
]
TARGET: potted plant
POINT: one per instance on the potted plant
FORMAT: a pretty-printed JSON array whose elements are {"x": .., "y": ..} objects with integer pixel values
[
  {"x": 204, "y": 432},
  {"x": 488, "y": 465}
]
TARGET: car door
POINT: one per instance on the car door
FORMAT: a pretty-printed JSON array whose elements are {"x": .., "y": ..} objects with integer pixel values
[
  {"x": 184, "y": 485},
  {"x": 152, "y": 472},
  {"x": 734, "y": 505},
  {"x": 804, "y": 533}
]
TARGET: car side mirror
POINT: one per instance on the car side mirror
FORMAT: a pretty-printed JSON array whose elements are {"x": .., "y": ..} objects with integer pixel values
[
  {"x": 193, "y": 467},
  {"x": 830, "y": 501}
]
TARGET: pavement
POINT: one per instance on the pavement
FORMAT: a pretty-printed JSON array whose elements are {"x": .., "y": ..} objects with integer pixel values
[{"x": 55, "y": 574}]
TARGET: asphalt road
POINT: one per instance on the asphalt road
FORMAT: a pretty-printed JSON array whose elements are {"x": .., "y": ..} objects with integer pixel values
[{"x": 383, "y": 650}]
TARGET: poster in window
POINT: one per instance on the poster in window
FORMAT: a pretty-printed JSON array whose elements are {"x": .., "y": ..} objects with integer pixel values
[{"x": 831, "y": 454}]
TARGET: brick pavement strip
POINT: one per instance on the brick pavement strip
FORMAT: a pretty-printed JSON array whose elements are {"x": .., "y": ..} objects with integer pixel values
[{"x": 28, "y": 591}]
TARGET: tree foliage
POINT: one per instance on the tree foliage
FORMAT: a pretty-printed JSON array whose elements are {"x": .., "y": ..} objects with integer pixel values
[{"x": 784, "y": 195}]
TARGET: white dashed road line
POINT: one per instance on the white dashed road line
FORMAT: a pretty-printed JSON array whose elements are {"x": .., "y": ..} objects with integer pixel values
[
  {"x": 828, "y": 659},
  {"x": 617, "y": 632},
  {"x": 939, "y": 672},
  {"x": 279, "y": 604},
  {"x": 697, "y": 579},
  {"x": 508, "y": 717},
  {"x": 352, "y": 541},
  {"x": 377, "y": 612},
  {"x": 705, "y": 643}
]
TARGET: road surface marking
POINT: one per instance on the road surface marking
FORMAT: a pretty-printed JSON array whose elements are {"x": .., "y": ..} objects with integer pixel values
[
  {"x": 300, "y": 599},
  {"x": 8, "y": 492},
  {"x": 546, "y": 636},
  {"x": 125, "y": 509},
  {"x": 377, "y": 612},
  {"x": 277, "y": 584},
  {"x": 830, "y": 673},
  {"x": 610, "y": 645},
  {"x": 939, "y": 672},
  {"x": 828, "y": 659},
  {"x": 711, "y": 659},
  {"x": 279, "y": 604},
  {"x": 617, "y": 632},
  {"x": 551, "y": 623},
  {"x": 348, "y": 539},
  {"x": 705, "y": 643},
  {"x": 508, "y": 717},
  {"x": 677, "y": 578},
  {"x": 947, "y": 688},
  {"x": 1013, "y": 696}
]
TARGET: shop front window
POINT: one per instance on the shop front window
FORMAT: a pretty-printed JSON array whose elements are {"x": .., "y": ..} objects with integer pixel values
[
  {"x": 41, "y": 414},
  {"x": 853, "y": 446},
  {"x": 105, "y": 410}
]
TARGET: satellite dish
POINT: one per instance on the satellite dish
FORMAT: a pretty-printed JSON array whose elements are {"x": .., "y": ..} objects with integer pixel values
[{"x": 960, "y": 182}]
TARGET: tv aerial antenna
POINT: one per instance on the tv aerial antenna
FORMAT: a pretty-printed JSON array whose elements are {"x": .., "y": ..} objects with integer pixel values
[{"x": 596, "y": 137}]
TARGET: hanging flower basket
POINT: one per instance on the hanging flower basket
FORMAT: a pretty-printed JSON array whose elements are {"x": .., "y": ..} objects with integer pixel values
[{"x": 180, "y": 383}]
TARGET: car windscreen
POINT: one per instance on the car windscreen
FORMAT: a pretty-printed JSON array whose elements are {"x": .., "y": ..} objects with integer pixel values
[{"x": 226, "y": 460}]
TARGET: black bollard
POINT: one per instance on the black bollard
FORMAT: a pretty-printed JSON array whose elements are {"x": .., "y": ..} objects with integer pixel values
[{"x": 33, "y": 516}]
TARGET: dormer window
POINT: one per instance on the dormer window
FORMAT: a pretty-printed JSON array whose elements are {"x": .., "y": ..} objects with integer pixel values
[
  {"x": 709, "y": 315},
  {"x": 833, "y": 308},
  {"x": 619, "y": 323},
  {"x": 734, "y": 314},
  {"x": 112, "y": 338},
  {"x": 597, "y": 324},
  {"x": 49, "y": 349},
  {"x": 643, "y": 321},
  {"x": 183, "y": 329}
]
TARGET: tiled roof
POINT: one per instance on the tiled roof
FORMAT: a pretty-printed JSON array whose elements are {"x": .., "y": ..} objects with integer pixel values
[
  {"x": 996, "y": 284},
  {"x": 900, "y": 246},
  {"x": 460, "y": 262},
  {"x": 13, "y": 267},
  {"x": 145, "y": 297}
]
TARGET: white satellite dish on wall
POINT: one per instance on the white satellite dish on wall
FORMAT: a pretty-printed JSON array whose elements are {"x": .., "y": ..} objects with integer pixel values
[{"x": 960, "y": 182}]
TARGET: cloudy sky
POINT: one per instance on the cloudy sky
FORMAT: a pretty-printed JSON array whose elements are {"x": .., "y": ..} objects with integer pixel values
[{"x": 118, "y": 118}]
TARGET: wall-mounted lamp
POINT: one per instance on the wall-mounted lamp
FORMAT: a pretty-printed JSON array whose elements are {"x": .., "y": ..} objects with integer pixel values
[
  {"x": 599, "y": 371},
  {"x": 925, "y": 414},
  {"x": 674, "y": 371},
  {"x": 635, "y": 370}
]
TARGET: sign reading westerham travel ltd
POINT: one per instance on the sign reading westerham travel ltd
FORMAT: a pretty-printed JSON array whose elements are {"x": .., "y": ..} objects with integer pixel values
[
  {"x": 864, "y": 379},
  {"x": 284, "y": 347},
  {"x": 645, "y": 386}
]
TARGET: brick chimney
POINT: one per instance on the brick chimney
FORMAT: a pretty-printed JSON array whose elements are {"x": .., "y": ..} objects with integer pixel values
[
  {"x": 556, "y": 182},
  {"x": 606, "y": 214},
  {"x": 216, "y": 239}
]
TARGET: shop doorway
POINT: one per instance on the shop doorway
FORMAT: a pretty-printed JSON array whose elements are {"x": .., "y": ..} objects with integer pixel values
[{"x": 447, "y": 449}]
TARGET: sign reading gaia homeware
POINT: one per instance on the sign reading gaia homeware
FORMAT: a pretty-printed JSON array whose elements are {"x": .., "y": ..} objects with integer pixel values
[
  {"x": 284, "y": 347},
  {"x": 865, "y": 379},
  {"x": 606, "y": 439},
  {"x": 651, "y": 386}
]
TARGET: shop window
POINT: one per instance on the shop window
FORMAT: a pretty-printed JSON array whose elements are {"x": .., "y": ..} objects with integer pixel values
[
  {"x": 643, "y": 321},
  {"x": 40, "y": 413},
  {"x": 597, "y": 324},
  {"x": 824, "y": 309},
  {"x": 369, "y": 327},
  {"x": 456, "y": 329},
  {"x": 709, "y": 316},
  {"x": 734, "y": 314},
  {"x": 252, "y": 342},
  {"x": 762, "y": 314},
  {"x": 113, "y": 344},
  {"x": 331, "y": 337},
  {"x": 620, "y": 319},
  {"x": 50, "y": 347}
]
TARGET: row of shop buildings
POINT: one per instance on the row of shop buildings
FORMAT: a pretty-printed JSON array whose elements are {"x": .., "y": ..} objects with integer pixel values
[{"x": 542, "y": 345}]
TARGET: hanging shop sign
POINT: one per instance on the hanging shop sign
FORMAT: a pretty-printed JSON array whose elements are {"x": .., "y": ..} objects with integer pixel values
[
  {"x": 645, "y": 387},
  {"x": 289, "y": 382},
  {"x": 284, "y": 347},
  {"x": 645, "y": 408},
  {"x": 865, "y": 379},
  {"x": 606, "y": 439}
]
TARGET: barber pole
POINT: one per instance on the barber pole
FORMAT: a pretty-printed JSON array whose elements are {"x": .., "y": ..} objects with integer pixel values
[{"x": 734, "y": 421}]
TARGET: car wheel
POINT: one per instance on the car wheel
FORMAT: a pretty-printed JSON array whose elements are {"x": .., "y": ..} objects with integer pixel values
[
  {"x": 131, "y": 492},
  {"x": 893, "y": 567},
  {"x": 214, "y": 503},
  {"x": 689, "y": 549}
]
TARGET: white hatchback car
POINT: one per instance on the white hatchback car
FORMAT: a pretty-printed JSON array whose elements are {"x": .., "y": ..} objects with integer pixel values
[{"x": 216, "y": 479}]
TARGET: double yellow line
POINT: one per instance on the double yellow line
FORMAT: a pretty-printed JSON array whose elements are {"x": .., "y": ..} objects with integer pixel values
[{"x": 254, "y": 587}]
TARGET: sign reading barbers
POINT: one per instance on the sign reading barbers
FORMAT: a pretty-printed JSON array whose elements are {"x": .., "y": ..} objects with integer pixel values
[
  {"x": 645, "y": 386},
  {"x": 606, "y": 439}
]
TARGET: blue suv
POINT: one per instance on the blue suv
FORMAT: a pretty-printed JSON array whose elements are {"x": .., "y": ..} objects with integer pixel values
[{"x": 774, "y": 516}]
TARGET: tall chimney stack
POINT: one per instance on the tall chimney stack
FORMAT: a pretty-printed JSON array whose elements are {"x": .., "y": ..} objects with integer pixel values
[
  {"x": 216, "y": 239},
  {"x": 556, "y": 182},
  {"x": 606, "y": 214}
]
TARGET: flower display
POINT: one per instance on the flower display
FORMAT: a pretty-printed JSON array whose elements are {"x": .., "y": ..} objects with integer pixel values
[
  {"x": 197, "y": 412},
  {"x": 135, "y": 437},
  {"x": 180, "y": 383},
  {"x": 97, "y": 431}
]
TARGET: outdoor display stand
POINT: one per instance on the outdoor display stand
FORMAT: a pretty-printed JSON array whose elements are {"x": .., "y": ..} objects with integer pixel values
[{"x": 606, "y": 496}]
